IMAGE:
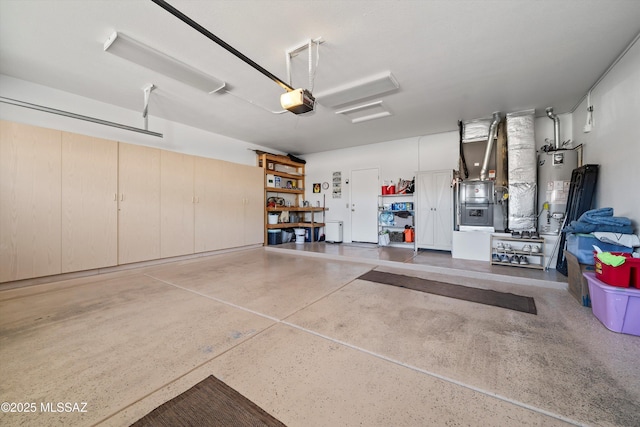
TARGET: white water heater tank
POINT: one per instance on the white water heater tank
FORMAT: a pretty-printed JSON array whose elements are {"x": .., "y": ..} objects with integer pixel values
[{"x": 554, "y": 178}]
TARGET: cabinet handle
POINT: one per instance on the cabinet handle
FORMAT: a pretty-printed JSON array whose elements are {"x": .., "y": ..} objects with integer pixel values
[
  {"x": 115, "y": 197},
  {"x": 122, "y": 197}
]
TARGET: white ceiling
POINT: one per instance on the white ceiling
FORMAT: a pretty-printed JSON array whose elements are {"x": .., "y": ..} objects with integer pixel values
[{"x": 453, "y": 59}]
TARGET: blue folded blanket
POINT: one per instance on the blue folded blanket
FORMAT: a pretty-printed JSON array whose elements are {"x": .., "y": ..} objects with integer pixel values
[
  {"x": 585, "y": 227},
  {"x": 604, "y": 216}
]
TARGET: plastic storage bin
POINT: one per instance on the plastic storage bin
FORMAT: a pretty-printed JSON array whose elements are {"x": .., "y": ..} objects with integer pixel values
[
  {"x": 581, "y": 245},
  {"x": 300, "y": 233},
  {"x": 388, "y": 189},
  {"x": 617, "y": 308},
  {"x": 275, "y": 237},
  {"x": 307, "y": 234},
  {"x": 287, "y": 235},
  {"x": 625, "y": 275}
]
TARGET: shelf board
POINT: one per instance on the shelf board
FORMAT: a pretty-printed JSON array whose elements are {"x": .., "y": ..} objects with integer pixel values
[
  {"x": 396, "y": 195},
  {"x": 518, "y": 239},
  {"x": 296, "y": 209},
  {"x": 508, "y": 264},
  {"x": 400, "y": 244},
  {"x": 295, "y": 225},
  {"x": 284, "y": 190},
  {"x": 280, "y": 159},
  {"x": 516, "y": 252},
  {"x": 287, "y": 175}
]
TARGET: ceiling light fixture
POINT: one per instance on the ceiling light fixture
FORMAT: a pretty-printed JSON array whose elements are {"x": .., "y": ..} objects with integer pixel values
[
  {"x": 365, "y": 112},
  {"x": 306, "y": 101},
  {"x": 359, "y": 90},
  {"x": 141, "y": 54}
]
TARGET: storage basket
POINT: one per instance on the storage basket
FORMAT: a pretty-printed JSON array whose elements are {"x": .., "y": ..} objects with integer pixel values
[
  {"x": 619, "y": 276},
  {"x": 396, "y": 236}
]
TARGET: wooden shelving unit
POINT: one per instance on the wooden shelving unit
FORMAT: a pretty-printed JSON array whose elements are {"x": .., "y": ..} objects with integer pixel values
[{"x": 284, "y": 182}]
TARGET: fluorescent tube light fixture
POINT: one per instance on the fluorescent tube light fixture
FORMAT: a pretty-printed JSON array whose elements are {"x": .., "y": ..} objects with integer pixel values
[
  {"x": 365, "y": 112},
  {"x": 359, "y": 90},
  {"x": 141, "y": 54},
  {"x": 298, "y": 101}
]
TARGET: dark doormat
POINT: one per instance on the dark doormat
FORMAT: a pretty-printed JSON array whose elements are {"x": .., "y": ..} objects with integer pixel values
[
  {"x": 482, "y": 296},
  {"x": 208, "y": 403}
]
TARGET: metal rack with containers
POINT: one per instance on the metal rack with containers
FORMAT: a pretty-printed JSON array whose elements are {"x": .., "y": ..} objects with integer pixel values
[{"x": 396, "y": 220}]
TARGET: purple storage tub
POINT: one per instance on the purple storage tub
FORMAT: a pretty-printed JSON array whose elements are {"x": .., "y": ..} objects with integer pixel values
[{"x": 617, "y": 308}]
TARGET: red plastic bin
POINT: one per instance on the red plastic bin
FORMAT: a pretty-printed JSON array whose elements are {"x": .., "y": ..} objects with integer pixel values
[
  {"x": 616, "y": 276},
  {"x": 388, "y": 189},
  {"x": 634, "y": 263}
]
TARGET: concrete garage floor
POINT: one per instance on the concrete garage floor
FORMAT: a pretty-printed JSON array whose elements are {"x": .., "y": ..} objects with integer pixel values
[{"x": 300, "y": 336}]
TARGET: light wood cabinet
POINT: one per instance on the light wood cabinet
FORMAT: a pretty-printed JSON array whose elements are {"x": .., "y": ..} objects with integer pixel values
[
  {"x": 434, "y": 210},
  {"x": 71, "y": 202},
  {"x": 30, "y": 188},
  {"x": 89, "y": 202},
  {"x": 243, "y": 202},
  {"x": 177, "y": 202},
  {"x": 253, "y": 180},
  {"x": 210, "y": 207},
  {"x": 139, "y": 203}
]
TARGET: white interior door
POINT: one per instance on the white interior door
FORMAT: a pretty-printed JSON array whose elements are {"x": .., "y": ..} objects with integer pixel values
[{"x": 365, "y": 187}]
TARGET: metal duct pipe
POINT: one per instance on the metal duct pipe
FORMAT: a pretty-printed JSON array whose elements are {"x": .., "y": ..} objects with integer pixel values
[
  {"x": 493, "y": 130},
  {"x": 556, "y": 127}
]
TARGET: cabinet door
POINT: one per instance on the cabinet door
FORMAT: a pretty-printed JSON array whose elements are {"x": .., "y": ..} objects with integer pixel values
[
  {"x": 89, "y": 202},
  {"x": 443, "y": 203},
  {"x": 425, "y": 214},
  {"x": 30, "y": 189},
  {"x": 233, "y": 197},
  {"x": 176, "y": 204},
  {"x": 254, "y": 205},
  {"x": 139, "y": 203},
  {"x": 434, "y": 214},
  {"x": 243, "y": 196},
  {"x": 210, "y": 208}
]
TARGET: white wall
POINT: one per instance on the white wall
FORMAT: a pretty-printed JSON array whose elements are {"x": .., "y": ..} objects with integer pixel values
[
  {"x": 177, "y": 137},
  {"x": 394, "y": 159},
  {"x": 614, "y": 142}
]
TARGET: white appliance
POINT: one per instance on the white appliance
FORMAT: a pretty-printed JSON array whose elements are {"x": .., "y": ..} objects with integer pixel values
[{"x": 333, "y": 231}]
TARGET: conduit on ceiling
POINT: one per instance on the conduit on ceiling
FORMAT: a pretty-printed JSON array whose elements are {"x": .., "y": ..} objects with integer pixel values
[{"x": 77, "y": 116}]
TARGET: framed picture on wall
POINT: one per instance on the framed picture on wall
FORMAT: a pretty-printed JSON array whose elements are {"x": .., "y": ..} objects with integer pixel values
[{"x": 316, "y": 187}]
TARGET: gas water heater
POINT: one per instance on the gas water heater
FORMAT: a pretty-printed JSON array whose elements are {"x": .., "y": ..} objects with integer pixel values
[{"x": 555, "y": 166}]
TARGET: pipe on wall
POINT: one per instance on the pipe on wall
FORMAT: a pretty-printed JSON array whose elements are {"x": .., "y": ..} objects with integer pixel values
[
  {"x": 493, "y": 130},
  {"x": 556, "y": 127}
]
